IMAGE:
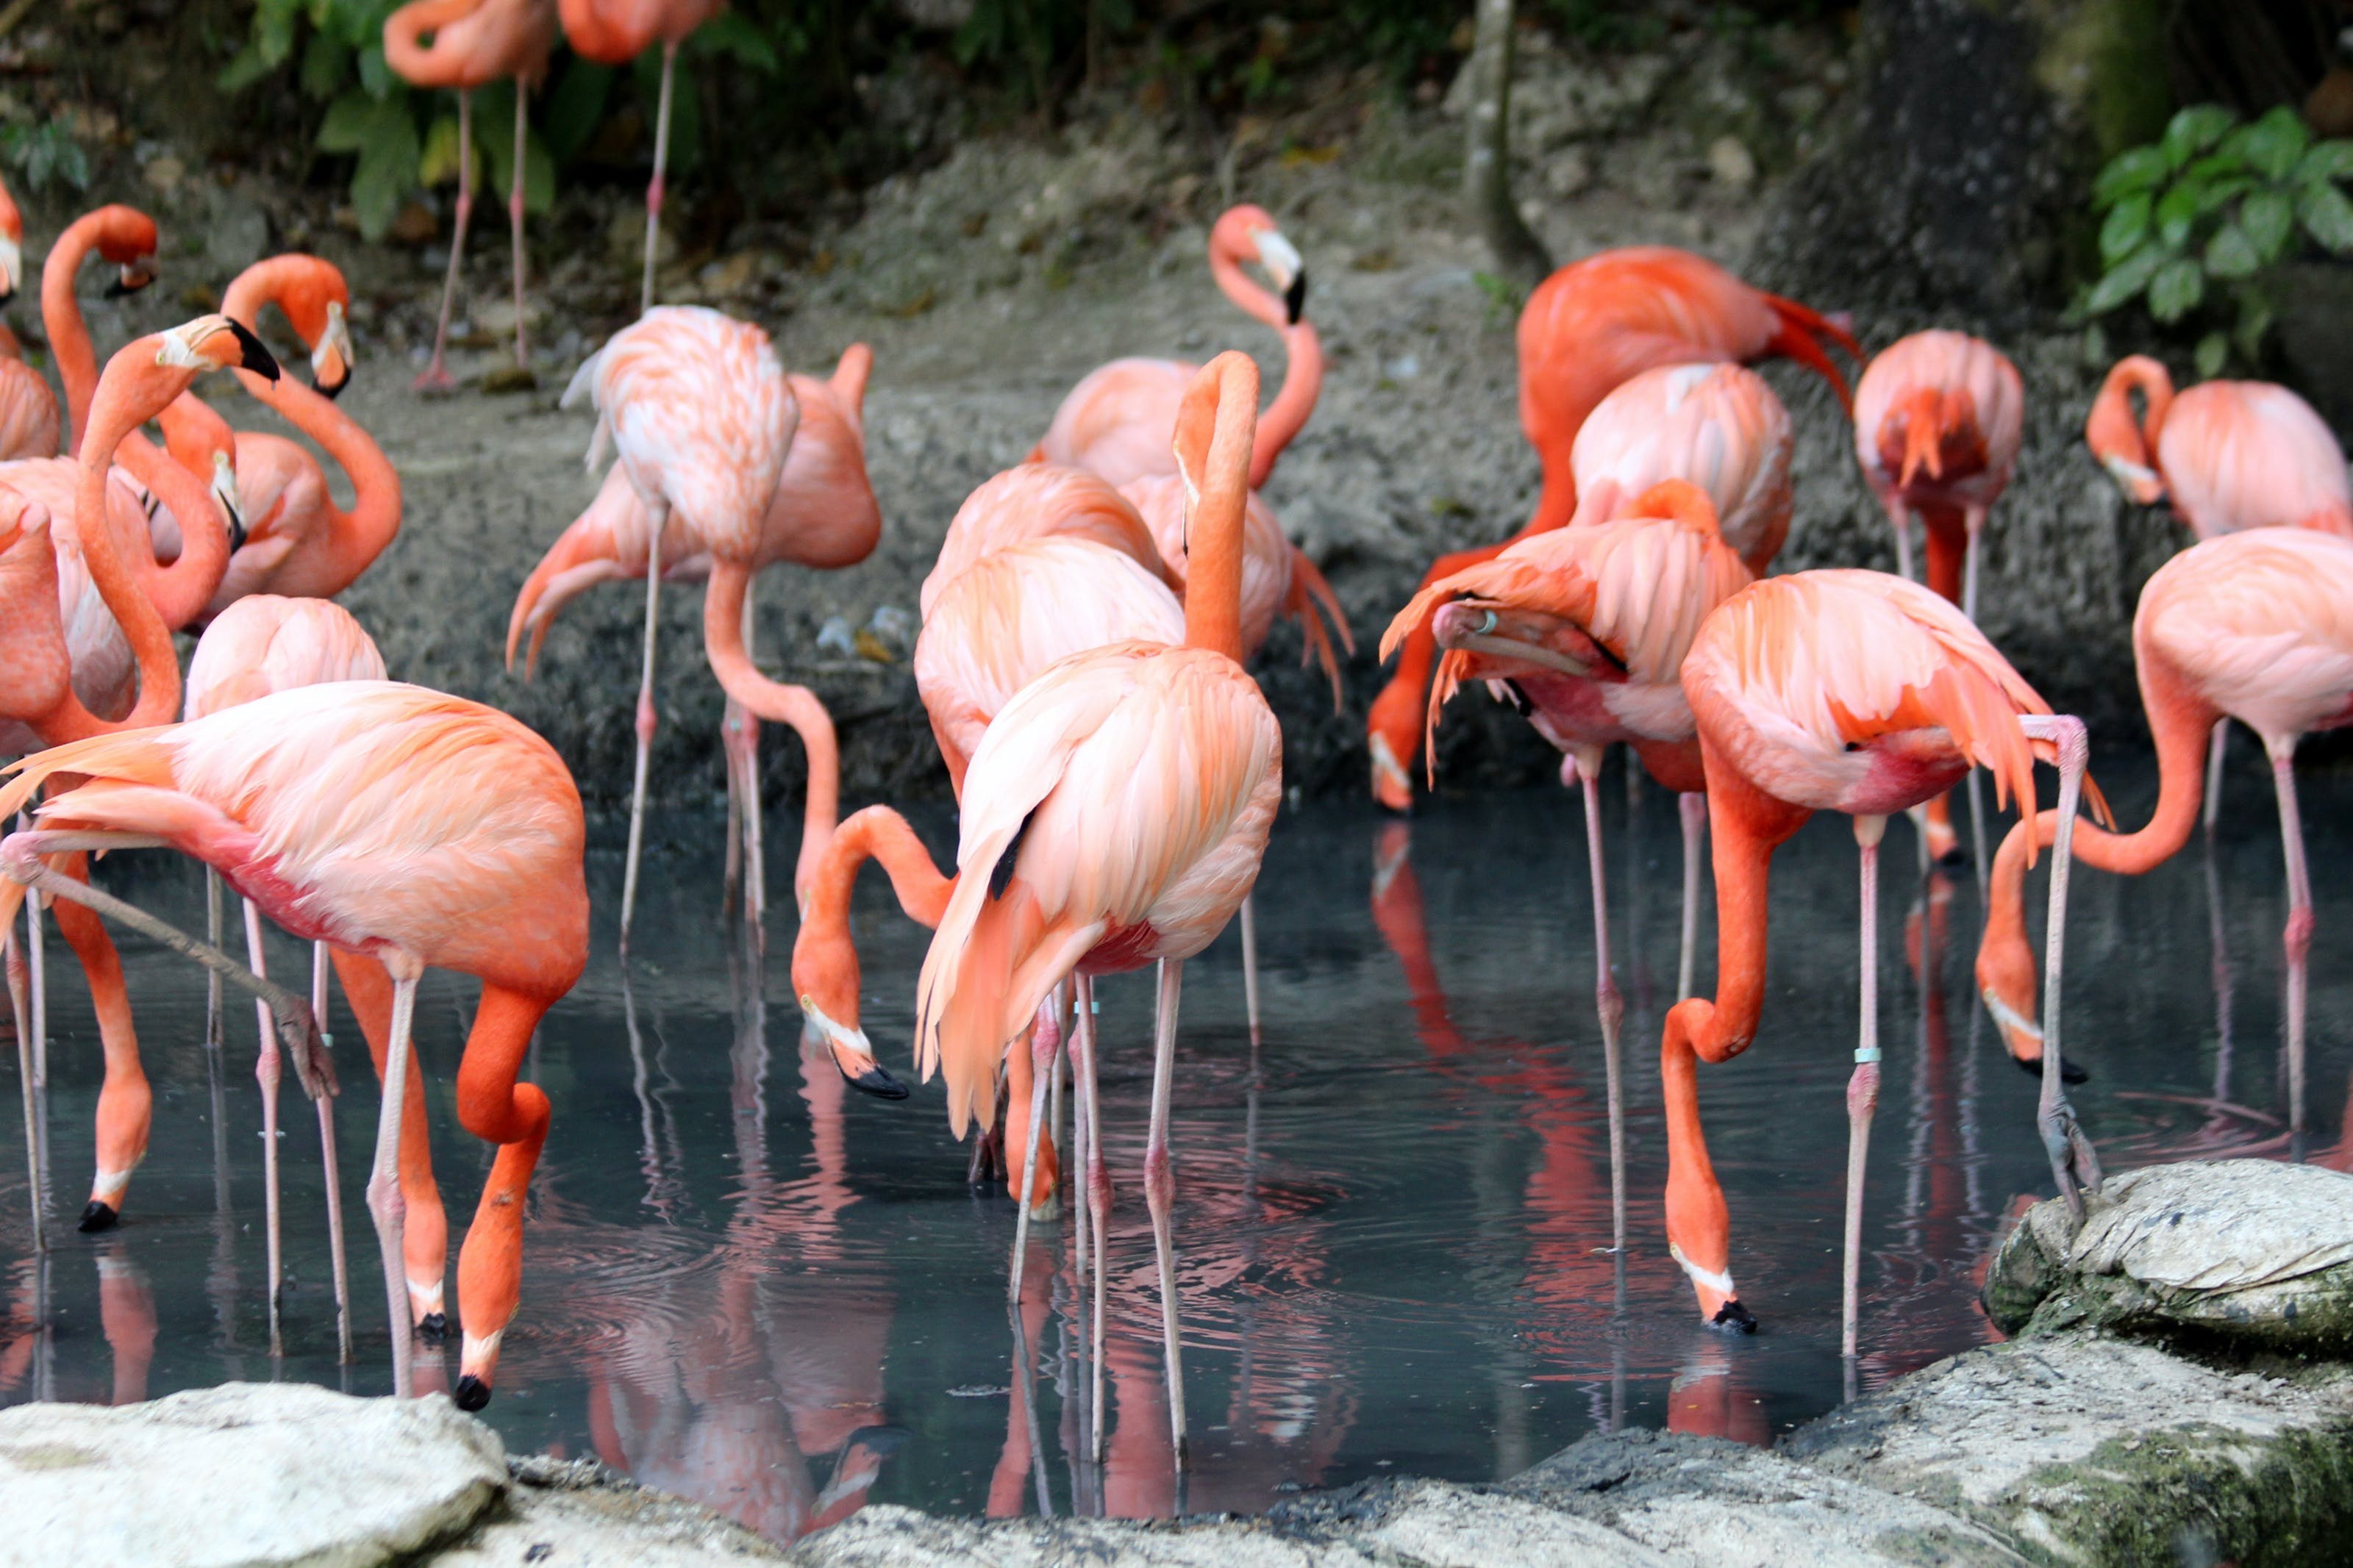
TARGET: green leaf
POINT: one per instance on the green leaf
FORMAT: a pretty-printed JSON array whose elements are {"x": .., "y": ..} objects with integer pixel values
[
  {"x": 351, "y": 120},
  {"x": 2193, "y": 130},
  {"x": 2326, "y": 161},
  {"x": 386, "y": 172},
  {"x": 2175, "y": 290},
  {"x": 2221, "y": 193},
  {"x": 2268, "y": 219},
  {"x": 2142, "y": 169},
  {"x": 2127, "y": 225},
  {"x": 2274, "y": 143},
  {"x": 2125, "y": 279},
  {"x": 326, "y": 65},
  {"x": 2213, "y": 352},
  {"x": 732, "y": 34},
  {"x": 2328, "y": 217},
  {"x": 375, "y": 76},
  {"x": 2175, "y": 213},
  {"x": 242, "y": 71},
  {"x": 574, "y": 108},
  {"x": 2254, "y": 322},
  {"x": 2231, "y": 254},
  {"x": 438, "y": 163},
  {"x": 496, "y": 107}
]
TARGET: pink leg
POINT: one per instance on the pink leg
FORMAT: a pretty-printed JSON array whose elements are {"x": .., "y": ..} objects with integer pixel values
[
  {"x": 1607, "y": 1001},
  {"x": 1045, "y": 1058},
  {"x": 1098, "y": 1183},
  {"x": 514, "y": 216},
  {"x": 1693, "y": 808},
  {"x": 437, "y": 375},
  {"x": 2074, "y": 1166},
  {"x": 2214, "y": 755},
  {"x": 386, "y": 1204},
  {"x": 329, "y": 1170},
  {"x": 1249, "y": 965},
  {"x": 1160, "y": 1195},
  {"x": 654, "y": 187},
  {"x": 2298, "y": 938},
  {"x": 20, "y": 1009},
  {"x": 1863, "y": 1088},
  {"x": 654, "y": 525},
  {"x": 266, "y": 1068}
]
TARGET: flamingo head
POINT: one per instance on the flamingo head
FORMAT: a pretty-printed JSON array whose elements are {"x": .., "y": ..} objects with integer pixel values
[
  {"x": 825, "y": 978},
  {"x": 1932, "y": 432},
  {"x": 2123, "y": 445},
  {"x": 214, "y": 342},
  {"x": 1528, "y": 641},
  {"x": 1248, "y": 233},
  {"x": 126, "y": 236}
]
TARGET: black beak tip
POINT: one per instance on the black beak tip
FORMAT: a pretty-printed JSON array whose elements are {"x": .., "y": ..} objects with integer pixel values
[
  {"x": 235, "y": 534},
  {"x": 7, "y": 293},
  {"x": 1294, "y": 299},
  {"x": 331, "y": 391},
  {"x": 254, "y": 355},
  {"x": 880, "y": 1441},
  {"x": 1734, "y": 1317},
  {"x": 472, "y": 1393},
  {"x": 875, "y": 1081},
  {"x": 433, "y": 1328},
  {"x": 98, "y": 1215},
  {"x": 2068, "y": 1071}
]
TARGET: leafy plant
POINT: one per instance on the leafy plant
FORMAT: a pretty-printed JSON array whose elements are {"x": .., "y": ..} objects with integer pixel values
[
  {"x": 45, "y": 152},
  {"x": 2200, "y": 216}
]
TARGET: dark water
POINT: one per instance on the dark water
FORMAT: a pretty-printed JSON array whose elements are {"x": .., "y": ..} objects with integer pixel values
[{"x": 747, "y": 1285}]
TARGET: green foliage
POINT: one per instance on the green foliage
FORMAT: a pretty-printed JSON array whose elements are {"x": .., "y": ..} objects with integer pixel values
[
  {"x": 2204, "y": 213},
  {"x": 45, "y": 152}
]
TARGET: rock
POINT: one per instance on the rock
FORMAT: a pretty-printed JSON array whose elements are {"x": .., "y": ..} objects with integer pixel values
[
  {"x": 244, "y": 1473},
  {"x": 2249, "y": 1249},
  {"x": 2086, "y": 1448},
  {"x": 580, "y": 1515},
  {"x": 236, "y": 232},
  {"x": 1734, "y": 167},
  {"x": 882, "y": 1536},
  {"x": 1568, "y": 173},
  {"x": 164, "y": 174},
  {"x": 414, "y": 224}
]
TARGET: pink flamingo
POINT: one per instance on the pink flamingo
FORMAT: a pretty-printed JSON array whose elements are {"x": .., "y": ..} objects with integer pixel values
[
  {"x": 824, "y": 517},
  {"x": 2256, "y": 626},
  {"x": 1586, "y": 330},
  {"x": 1584, "y": 629},
  {"x": 1853, "y": 691},
  {"x": 259, "y": 645},
  {"x": 1717, "y": 426},
  {"x": 613, "y": 33},
  {"x": 1116, "y": 813},
  {"x": 475, "y": 43},
  {"x": 414, "y": 828},
  {"x": 51, "y": 638},
  {"x": 1938, "y": 420},
  {"x": 28, "y": 412},
  {"x": 703, "y": 419}
]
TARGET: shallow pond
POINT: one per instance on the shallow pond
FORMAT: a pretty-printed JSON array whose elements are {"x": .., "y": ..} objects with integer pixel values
[{"x": 749, "y": 1285}]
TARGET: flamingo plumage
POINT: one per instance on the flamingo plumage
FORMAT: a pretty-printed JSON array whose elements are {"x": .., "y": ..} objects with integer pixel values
[{"x": 2228, "y": 455}]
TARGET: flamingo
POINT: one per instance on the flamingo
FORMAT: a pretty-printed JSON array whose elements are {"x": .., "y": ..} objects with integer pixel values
[
  {"x": 1116, "y": 812},
  {"x": 1853, "y": 691},
  {"x": 121, "y": 235},
  {"x": 824, "y": 516},
  {"x": 403, "y": 824},
  {"x": 1938, "y": 420},
  {"x": 2256, "y": 626},
  {"x": 704, "y": 417},
  {"x": 613, "y": 33},
  {"x": 262, "y": 644},
  {"x": 475, "y": 43},
  {"x": 1586, "y": 629},
  {"x": 1716, "y": 425},
  {"x": 37, "y": 665},
  {"x": 1584, "y": 331},
  {"x": 28, "y": 412}
]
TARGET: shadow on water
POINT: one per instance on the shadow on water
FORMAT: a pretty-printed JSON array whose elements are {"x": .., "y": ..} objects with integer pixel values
[{"x": 747, "y": 1285}]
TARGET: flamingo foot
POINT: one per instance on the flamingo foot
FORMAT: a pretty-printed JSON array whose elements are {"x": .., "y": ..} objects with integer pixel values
[
  {"x": 436, "y": 381},
  {"x": 99, "y": 1216}
]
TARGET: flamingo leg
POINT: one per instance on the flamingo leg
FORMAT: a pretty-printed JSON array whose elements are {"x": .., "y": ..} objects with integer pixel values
[
  {"x": 1901, "y": 517},
  {"x": 2074, "y": 1165},
  {"x": 266, "y": 1067},
  {"x": 1249, "y": 965},
  {"x": 756, "y": 864},
  {"x": 1978, "y": 831},
  {"x": 1694, "y": 809},
  {"x": 1863, "y": 1086},
  {"x": 437, "y": 375},
  {"x": 20, "y": 1012},
  {"x": 1160, "y": 1195},
  {"x": 386, "y": 1205},
  {"x": 125, "y": 1102},
  {"x": 1608, "y": 1003},
  {"x": 1098, "y": 1199},
  {"x": 1973, "y": 519},
  {"x": 2298, "y": 937},
  {"x": 1045, "y": 1048},
  {"x": 213, "y": 1036},
  {"x": 654, "y": 526},
  {"x": 494, "y": 1107},
  {"x": 329, "y": 1172},
  {"x": 514, "y": 216},
  {"x": 654, "y": 186},
  {"x": 2215, "y": 750},
  {"x": 424, "y": 1226}
]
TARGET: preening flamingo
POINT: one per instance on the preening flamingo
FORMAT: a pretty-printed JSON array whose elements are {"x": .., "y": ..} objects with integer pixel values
[
  {"x": 2256, "y": 626},
  {"x": 259, "y": 645},
  {"x": 1116, "y": 813},
  {"x": 1853, "y": 691},
  {"x": 702, "y": 415},
  {"x": 1585, "y": 630},
  {"x": 824, "y": 516},
  {"x": 42, "y": 635},
  {"x": 413, "y": 827},
  {"x": 1938, "y": 420},
  {"x": 613, "y": 33},
  {"x": 473, "y": 44},
  {"x": 1716, "y": 425},
  {"x": 29, "y": 427},
  {"x": 1586, "y": 330}
]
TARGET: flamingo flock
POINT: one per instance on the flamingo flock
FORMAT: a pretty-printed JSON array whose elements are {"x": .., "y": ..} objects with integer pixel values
[{"x": 1084, "y": 656}]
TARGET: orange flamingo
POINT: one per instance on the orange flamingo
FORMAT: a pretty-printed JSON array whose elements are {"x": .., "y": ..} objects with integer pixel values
[
  {"x": 1586, "y": 329},
  {"x": 1716, "y": 425},
  {"x": 1938, "y": 420},
  {"x": 703, "y": 419},
  {"x": 824, "y": 517},
  {"x": 613, "y": 33},
  {"x": 28, "y": 412},
  {"x": 403, "y": 824},
  {"x": 1586, "y": 629},
  {"x": 1853, "y": 691},
  {"x": 39, "y": 658},
  {"x": 2256, "y": 626},
  {"x": 474, "y": 43},
  {"x": 121, "y": 235},
  {"x": 1116, "y": 813},
  {"x": 259, "y": 645}
]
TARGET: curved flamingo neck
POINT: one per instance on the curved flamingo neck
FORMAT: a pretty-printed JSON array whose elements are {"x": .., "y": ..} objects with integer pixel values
[
  {"x": 69, "y": 341},
  {"x": 1303, "y": 383},
  {"x": 286, "y": 281},
  {"x": 181, "y": 590},
  {"x": 403, "y": 31},
  {"x": 1214, "y": 432},
  {"x": 114, "y": 413},
  {"x": 722, "y": 644},
  {"x": 358, "y": 536}
]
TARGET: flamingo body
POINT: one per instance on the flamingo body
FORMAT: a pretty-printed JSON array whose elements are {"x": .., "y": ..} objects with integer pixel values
[
  {"x": 2229, "y": 454},
  {"x": 1716, "y": 425},
  {"x": 266, "y": 643},
  {"x": 474, "y": 42},
  {"x": 1939, "y": 417}
]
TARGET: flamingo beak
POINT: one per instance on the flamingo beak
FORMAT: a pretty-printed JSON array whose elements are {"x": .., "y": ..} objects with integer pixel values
[
  {"x": 2140, "y": 484},
  {"x": 134, "y": 276},
  {"x": 224, "y": 489},
  {"x": 1284, "y": 264},
  {"x": 12, "y": 269},
  {"x": 853, "y": 1054},
  {"x": 331, "y": 358},
  {"x": 1471, "y": 627}
]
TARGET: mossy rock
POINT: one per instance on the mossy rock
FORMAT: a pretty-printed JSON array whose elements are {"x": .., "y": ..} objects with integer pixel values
[{"x": 2248, "y": 1250}]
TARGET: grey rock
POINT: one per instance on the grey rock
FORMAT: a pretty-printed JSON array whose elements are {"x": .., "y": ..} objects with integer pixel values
[
  {"x": 882, "y": 1536},
  {"x": 242, "y": 1474},
  {"x": 2084, "y": 1448},
  {"x": 578, "y": 1514},
  {"x": 2252, "y": 1250}
]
